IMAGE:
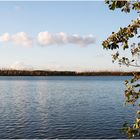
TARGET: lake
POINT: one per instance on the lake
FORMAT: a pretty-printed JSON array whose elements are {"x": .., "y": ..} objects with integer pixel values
[{"x": 63, "y": 107}]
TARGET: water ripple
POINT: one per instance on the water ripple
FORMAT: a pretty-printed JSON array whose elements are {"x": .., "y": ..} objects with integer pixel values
[{"x": 62, "y": 107}]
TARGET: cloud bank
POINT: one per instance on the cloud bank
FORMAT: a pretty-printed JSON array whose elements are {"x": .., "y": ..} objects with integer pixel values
[{"x": 47, "y": 39}]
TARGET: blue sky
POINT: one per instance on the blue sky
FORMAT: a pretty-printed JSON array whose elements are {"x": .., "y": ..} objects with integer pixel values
[{"x": 23, "y": 21}]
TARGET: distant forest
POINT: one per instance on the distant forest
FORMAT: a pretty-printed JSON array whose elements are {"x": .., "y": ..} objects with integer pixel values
[{"x": 60, "y": 73}]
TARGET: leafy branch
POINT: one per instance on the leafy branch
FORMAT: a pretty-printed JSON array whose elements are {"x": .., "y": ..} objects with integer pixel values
[{"x": 118, "y": 40}]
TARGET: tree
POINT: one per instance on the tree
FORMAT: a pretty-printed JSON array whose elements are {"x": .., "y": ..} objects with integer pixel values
[{"x": 121, "y": 39}]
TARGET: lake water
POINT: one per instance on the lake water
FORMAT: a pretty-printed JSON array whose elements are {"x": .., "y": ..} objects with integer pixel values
[{"x": 63, "y": 107}]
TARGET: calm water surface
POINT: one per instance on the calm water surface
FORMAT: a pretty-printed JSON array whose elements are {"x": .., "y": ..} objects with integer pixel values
[{"x": 63, "y": 107}]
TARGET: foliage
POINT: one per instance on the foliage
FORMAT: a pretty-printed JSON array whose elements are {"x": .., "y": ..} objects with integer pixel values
[
  {"x": 121, "y": 39},
  {"x": 12, "y": 72}
]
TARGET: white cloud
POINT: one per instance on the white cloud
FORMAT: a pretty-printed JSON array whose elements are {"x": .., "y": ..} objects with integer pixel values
[
  {"x": 20, "y": 38},
  {"x": 46, "y": 39},
  {"x": 20, "y": 66},
  {"x": 5, "y": 37}
]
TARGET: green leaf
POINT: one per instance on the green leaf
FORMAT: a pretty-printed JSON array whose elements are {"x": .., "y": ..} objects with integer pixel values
[
  {"x": 107, "y": 1},
  {"x": 126, "y": 81},
  {"x": 120, "y": 4},
  {"x": 132, "y": 80},
  {"x": 113, "y": 5},
  {"x": 137, "y": 85}
]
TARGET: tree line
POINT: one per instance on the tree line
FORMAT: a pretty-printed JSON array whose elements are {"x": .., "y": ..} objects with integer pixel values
[{"x": 60, "y": 73}]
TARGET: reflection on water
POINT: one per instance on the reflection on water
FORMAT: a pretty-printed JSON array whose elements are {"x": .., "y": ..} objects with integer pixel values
[{"x": 62, "y": 107}]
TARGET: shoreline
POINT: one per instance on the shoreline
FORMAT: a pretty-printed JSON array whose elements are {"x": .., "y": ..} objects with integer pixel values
[{"x": 62, "y": 73}]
